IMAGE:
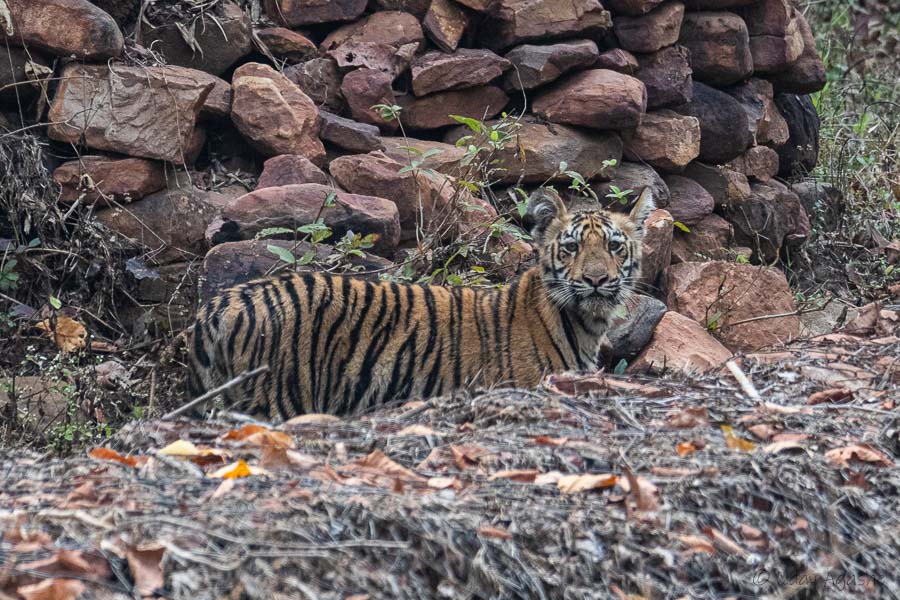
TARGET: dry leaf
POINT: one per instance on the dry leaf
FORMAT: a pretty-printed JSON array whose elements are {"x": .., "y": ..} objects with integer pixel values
[
  {"x": 572, "y": 484},
  {"x": 69, "y": 335},
  {"x": 544, "y": 440},
  {"x": 857, "y": 453},
  {"x": 697, "y": 544},
  {"x": 830, "y": 395},
  {"x": 109, "y": 454},
  {"x": 644, "y": 492},
  {"x": 494, "y": 532},
  {"x": 685, "y": 448},
  {"x": 734, "y": 442},
  {"x": 421, "y": 430},
  {"x": 52, "y": 589},
  {"x": 523, "y": 475},
  {"x": 467, "y": 455},
  {"x": 776, "y": 447},
  {"x": 548, "y": 478},
  {"x": 236, "y": 470},
  {"x": 276, "y": 439},
  {"x": 442, "y": 483},
  {"x": 200, "y": 456},
  {"x": 312, "y": 419},
  {"x": 778, "y": 409},
  {"x": 244, "y": 432},
  {"x": 722, "y": 542},
  {"x": 762, "y": 431},
  {"x": 224, "y": 488},
  {"x": 689, "y": 417},
  {"x": 146, "y": 570},
  {"x": 379, "y": 461}
]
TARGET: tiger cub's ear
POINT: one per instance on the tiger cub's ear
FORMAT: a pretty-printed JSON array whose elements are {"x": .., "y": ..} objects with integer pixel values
[
  {"x": 544, "y": 205},
  {"x": 643, "y": 206}
]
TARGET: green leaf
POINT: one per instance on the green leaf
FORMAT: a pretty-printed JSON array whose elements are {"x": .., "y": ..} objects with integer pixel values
[
  {"x": 410, "y": 149},
  {"x": 620, "y": 367},
  {"x": 406, "y": 169},
  {"x": 330, "y": 198},
  {"x": 271, "y": 231},
  {"x": 495, "y": 135},
  {"x": 681, "y": 226},
  {"x": 307, "y": 258},
  {"x": 478, "y": 269},
  {"x": 55, "y": 302},
  {"x": 454, "y": 279},
  {"x": 473, "y": 124},
  {"x": 431, "y": 153},
  {"x": 563, "y": 166},
  {"x": 282, "y": 253},
  {"x": 621, "y": 312}
]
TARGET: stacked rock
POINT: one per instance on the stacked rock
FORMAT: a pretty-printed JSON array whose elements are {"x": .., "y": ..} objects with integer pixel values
[{"x": 702, "y": 100}]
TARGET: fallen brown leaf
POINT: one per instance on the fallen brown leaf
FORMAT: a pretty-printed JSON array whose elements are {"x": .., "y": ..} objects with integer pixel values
[
  {"x": 685, "y": 448},
  {"x": 830, "y": 395},
  {"x": 548, "y": 478},
  {"x": 523, "y": 475},
  {"x": 236, "y": 470},
  {"x": 857, "y": 453},
  {"x": 379, "y": 461},
  {"x": 776, "y": 447},
  {"x": 201, "y": 456},
  {"x": 572, "y": 484},
  {"x": 545, "y": 440},
  {"x": 244, "y": 432},
  {"x": 734, "y": 442},
  {"x": 69, "y": 334},
  {"x": 696, "y": 543},
  {"x": 687, "y": 418},
  {"x": 779, "y": 409},
  {"x": 494, "y": 532},
  {"x": 643, "y": 491},
  {"x": 468, "y": 455},
  {"x": 109, "y": 454},
  {"x": 443, "y": 483},
  {"x": 312, "y": 419},
  {"x": 722, "y": 542},
  {"x": 144, "y": 563},
  {"x": 412, "y": 430},
  {"x": 52, "y": 589},
  {"x": 762, "y": 431}
]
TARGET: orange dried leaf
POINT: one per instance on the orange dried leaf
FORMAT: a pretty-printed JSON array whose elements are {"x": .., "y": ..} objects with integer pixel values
[
  {"x": 69, "y": 334},
  {"x": 244, "y": 432},
  {"x": 545, "y": 440},
  {"x": 687, "y": 418},
  {"x": 857, "y": 453},
  {"x": 830, "y": 395},
  {"x": 144, "y": 563},
  {"x": 412, "y": 430},
  {"x": 276, "y": 439},
  {"x": 685, "y": 448},
  {"x": 52, "y": 589},
  {"x": 494, "y": 532},
  {"x": 313, "y": 419},
  {"x": 109, "y": 454},
  {"x": 379, "y": 461},
  {"x": 523, "y": 475},
  {"x": 696, "y": 543},
  {"x": 572, "y": 484},
  {"x": 734, "y": 442},
  {"x": 236, "y": 470}
]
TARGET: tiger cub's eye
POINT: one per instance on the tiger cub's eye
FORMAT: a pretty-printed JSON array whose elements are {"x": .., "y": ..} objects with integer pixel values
[
  {"x": 571, "y": 247},
  {"x": 615, "y": 245}
]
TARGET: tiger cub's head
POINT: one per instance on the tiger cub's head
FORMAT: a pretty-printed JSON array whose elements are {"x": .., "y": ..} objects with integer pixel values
[{"x": 590, "y": 259}]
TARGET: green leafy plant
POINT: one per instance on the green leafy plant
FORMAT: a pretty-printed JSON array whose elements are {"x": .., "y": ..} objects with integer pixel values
[
  {"x": 619, "y": 195},
  {"x": 9, "y": 279}
]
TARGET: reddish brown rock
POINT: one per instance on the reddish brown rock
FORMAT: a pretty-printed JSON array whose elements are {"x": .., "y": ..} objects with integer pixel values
[
  {"x": 290, "y": 169},
  {"x": 535, "y": 65},
  {"x": 726, "y": 186},
  {"x": 320, "y": 79},
  {"x": 680, "y": 344},
  {"x": 420, "y": 198},
  {"x": 619, "y": 60},
  {"x": 218, "y": 103},
  {"x": 719, "y": 45},
  {"x": 445, "y": 23},
  {"x": 634, "y": 177},
  {"x": 374, "y": 56},
  {"x": 656, "y": 246},
  {"x": 759, "y": 163},
  {"x": 64, "y": 28},
  {"x": 650, "y": 32},
  {"x": 517, "y": 21},
  {"x": 709, "y": 239},
  {"x": 767, "y": 17},
  {"x": 689, "y": 203},
  {"x": 437, "y": 71},
  {"x": 418, "y": 8},
  {"x": 274, "y": 115},
  {"x": 630, "y": 334},
  {"x": 667, "y": 76},
  {"x": 294, "y": 205},
  {"x": 806, "y": 75},
  {"x": 287, "y": 45},
  {"x": 296, "y": 13},
  {"x": 545, "y": 147},
  {"x": 766, "y": 123},
  {"x": 446, "y": 160},
  {"x": 719, "y": 293},
  {"x": 480, "y": 5},
  {"x": 664, "y": 140},
  {"x": 598, "y": 98},
  {"x": 148, "y": 112},
  {"x": 431, "y": 112},
  {"x": 768, "y": 219},
  {"x": 104, "y": 180},
  {"x": 348, "y": 134},
  {"x": 632, "y": 7},
  {"x": 775, "y": 53},
  {"x": 220, "y": 40},
  {"x": 170, "y": 225},
  {"x": 388, "y": 28},
  {"x": 715, "y": 4},
  {"x": 724, "y": 127},
  {"x": 365, "y": 88}
]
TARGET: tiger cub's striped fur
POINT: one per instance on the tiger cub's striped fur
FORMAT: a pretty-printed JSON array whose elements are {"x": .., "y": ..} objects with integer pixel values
[{"x": 337, "y": 344}]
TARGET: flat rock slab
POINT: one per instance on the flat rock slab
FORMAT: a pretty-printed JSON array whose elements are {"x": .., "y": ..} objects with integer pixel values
[
  {"x": 287, "y": 45},
  {"x": 619, "y": 60},
  {"x": 709, "y": 239},
  {"x": 148, "y": 112},
  {"x": 291, "y": 206},
  {"x": 635, "y": 177},
  {"x": 727, "y": 186},
  {"x": 718, "y": 293},
  {"x": 431, "y": 112},
  {"x": 445, "y": 23},
  {"x": 689, "y": 203},
  {"x": 290, "y": 169},
  {"x": 667, "y": 74},
  {"x": 517, "y": 21},
  {"x": 348, "y": 134},
  {"x": 680, "y": 344},
  {"x": 720, "y": 47},
  {"x": 274, "y": 115},
  {"x": 665, "y": 140},
  {"x": 446, "y": 160},
  {"x": 650, "y": 32},
  {"x": 389, "y": 28},
  {"x": 102, "y": 180},
  {"x": 597, "y": 98},
  {"x": 438, "y": 71},
  {"x": 536, "y": 65},
  {"x": 296, "y": 13},
  {"x": 64, "y": 28}
]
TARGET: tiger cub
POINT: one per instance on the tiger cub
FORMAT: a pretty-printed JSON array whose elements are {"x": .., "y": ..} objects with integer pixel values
[{"x": 335, "y": 344}]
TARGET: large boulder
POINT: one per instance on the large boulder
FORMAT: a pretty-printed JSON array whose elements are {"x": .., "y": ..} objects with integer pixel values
[
  {"x": 635, "y": 177},
  {"x": 63, "y": 27},
  {"x": 438, "y": 71},
  {"x": 597, "y": 98},
  {"x": 290, "y": 169},
  {"x": 297, "y": 13},
  {"x": 727, "y": 186},
  {"x": 767, "y": 126},
  {"x": 724, "y": 128},
  {"x": 218, "y": 40},
  {"x": 680, "y": 344},
  {"x": 664, "y": 140},
  {"x": 630, "y": 333},
  {"x": 539, "y": 65},
  {"x": 292, "y": 206},
  {"x": 104, "y": 180},
  {"x": 806, "y": 75},
  {"x": 365, "y": 88},
  {"x": 708, "y": 239},
  {"x": 320, "y": 79},
  {"x": 776, "y": 40},
  {"x": 274, "y": 115},
  {"x": 667, "y": 75},
  {"x": 739, "y": 303},
  {"x": 650, "y": 32},
  {"x": 720, "y": 47},
  {"x": 433, "y": 111},
  {"x": 656, "y": 246},
  {"x": 148, "y": 112},
  {"x": 517, "y": 21},
  {"x": 689, "y": 203},
  {"x": 545, "y": 147}
]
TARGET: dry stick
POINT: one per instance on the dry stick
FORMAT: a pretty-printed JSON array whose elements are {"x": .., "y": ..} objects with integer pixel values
[
  {"x": 213, "y": 393},
  {"x": 744, "y": 381}
]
